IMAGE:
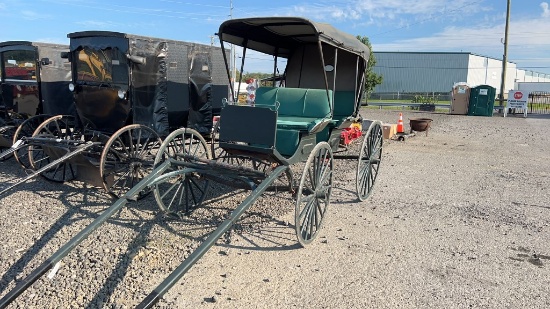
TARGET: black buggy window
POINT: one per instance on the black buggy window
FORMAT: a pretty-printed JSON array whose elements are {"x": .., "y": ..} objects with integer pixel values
[
  {"x": 101, "y": 66},
  {"x": 20, "y": 65}
]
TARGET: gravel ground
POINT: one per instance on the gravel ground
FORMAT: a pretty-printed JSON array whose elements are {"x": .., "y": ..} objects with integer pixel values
[{"x": 458, "y": 219}]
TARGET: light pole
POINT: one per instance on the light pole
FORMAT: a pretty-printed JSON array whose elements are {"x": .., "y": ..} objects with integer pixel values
[{"x": 505, "y": 56}]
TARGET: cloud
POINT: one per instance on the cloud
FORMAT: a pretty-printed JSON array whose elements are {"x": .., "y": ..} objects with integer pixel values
[
  {"x": 545, "y": 9},
  {"x": 386, "y": 11},
  {"x": 96, "y": 24},
  {"x": 31, "y": 15},
  {"x": 526, "y": 39}
]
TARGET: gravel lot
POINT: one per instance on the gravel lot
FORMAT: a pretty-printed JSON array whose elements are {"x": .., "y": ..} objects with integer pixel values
[{"x": 458, "y": 219}]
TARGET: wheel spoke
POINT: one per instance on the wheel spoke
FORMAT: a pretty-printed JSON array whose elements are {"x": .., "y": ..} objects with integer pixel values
[
  {"x": 314, "y": 193},
  {"x": 190, "y": 188},
  {"x": 369, "y": 160}
]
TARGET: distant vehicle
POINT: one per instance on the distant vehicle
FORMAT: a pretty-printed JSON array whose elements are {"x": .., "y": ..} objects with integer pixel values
[{"x": 34, "y": 83}]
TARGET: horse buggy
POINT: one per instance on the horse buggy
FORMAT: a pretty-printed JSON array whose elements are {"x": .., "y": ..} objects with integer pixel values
[
  {"x": 34, "y": 83},
  {"x": 126, "y": 93},
  {"x": 289, "y": 139}
]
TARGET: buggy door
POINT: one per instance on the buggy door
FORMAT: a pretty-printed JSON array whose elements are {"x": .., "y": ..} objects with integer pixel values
[{"x": 19, "y": 87}]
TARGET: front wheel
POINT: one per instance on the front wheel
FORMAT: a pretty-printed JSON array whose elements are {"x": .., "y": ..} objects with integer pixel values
[
  {"x": 370, "y": 157},
  {"x": 181, "y": 193},
  {"x": 127, "y": 158},
  {"x": 313, "y": 195}
]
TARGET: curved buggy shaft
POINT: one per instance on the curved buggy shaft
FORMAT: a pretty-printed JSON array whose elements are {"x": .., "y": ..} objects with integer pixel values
[
  {"x": 158, "y": 175},
  {"x": 11, "y": 150},
  {"x": 75, "y": 241},
  {"x": 162, "y": 288},
  {"x": 52, "y": 165}
]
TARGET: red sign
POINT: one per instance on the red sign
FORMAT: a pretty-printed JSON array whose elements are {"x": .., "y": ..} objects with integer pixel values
[{"x": 518, "y": 95}]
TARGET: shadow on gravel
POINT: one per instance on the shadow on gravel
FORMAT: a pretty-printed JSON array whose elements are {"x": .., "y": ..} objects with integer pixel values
[
  {"x": 260, "y": 227},
  {"x": 190, "y": 229},
  {"x": 73, "y": 214}
]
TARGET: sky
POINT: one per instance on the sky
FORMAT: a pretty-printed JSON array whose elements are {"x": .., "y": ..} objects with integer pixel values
[{"x": 476, "y": 26}]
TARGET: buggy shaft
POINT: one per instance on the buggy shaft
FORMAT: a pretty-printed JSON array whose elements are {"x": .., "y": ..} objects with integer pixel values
[
  {"x": 81, "y": 236},
  {"x": 49, "y": 166},
  {"x": 159, "y": 291}
]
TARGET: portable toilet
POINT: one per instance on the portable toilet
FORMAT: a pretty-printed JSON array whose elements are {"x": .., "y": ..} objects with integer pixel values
[
  {"x": 482, "y": 101},
  {"x": 460, "y": 99}
]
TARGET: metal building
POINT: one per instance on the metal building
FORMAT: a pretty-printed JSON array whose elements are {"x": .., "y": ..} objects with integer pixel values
[{"x": 437, "y": 72}]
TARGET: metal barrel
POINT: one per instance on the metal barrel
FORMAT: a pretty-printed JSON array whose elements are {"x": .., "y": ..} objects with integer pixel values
[
  {"x": 162, "y": 288},
  {"x": 81, "y": 236}
]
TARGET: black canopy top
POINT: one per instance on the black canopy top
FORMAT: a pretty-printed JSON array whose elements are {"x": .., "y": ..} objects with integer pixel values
[{"x": 280, "y": 35}]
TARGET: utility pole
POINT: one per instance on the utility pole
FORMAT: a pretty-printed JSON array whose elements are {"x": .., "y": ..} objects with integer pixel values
[{"x": 505, "y": 56}]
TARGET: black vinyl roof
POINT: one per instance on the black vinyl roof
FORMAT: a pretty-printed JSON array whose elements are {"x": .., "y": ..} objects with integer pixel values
[
  {"x": 280, "y": 35},
  {"x": 12, "y": 43}
]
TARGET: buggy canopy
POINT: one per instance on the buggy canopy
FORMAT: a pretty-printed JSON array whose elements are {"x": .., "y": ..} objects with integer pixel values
[{"x": 278, "y": 36}]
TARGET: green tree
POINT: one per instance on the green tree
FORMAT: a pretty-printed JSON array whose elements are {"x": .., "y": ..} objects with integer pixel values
[{"x": 371, "y": 78}]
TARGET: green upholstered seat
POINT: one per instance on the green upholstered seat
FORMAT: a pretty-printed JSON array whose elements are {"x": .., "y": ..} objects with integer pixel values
[
  {"x": 299, "y": 110},
  {"x": 344, "y": 105}
]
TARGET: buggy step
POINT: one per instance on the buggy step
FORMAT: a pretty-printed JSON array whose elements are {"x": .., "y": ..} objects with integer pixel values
[{"x": 71, "y": 154}]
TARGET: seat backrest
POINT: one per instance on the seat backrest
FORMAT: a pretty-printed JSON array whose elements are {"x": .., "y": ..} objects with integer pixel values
[
  {"x": 266, "y": 96},
  {"x": 296, "y": 102},
  {"x": 344, "y": 104},
  {"x": 317, "y": 103},
  {"x": 291, "y": 101}
]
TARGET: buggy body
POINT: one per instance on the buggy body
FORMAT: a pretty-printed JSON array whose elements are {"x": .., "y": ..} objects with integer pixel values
[
  {"x": 34, "y": 80},
  {"x": 120, "y": 79},
  {"x": 323, "y": 78}
]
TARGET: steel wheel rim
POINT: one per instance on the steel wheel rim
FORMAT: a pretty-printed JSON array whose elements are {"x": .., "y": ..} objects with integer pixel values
[
  {"x": 60, "y": 127},
  {"x": 127, "y": 158},
  {"x": 313, "y": 195},
  {"x": 26, "y": 129},
  {"x": 182, "y": 193},
  {"x": 369, "y": 161}
]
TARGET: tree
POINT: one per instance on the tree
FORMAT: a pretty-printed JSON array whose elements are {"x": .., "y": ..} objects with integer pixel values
[{"x": 371, "y": 78}]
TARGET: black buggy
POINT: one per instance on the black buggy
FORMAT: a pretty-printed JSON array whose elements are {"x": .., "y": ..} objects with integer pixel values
[
  {"x": 127, "y": 92},
  {"x": 34, "y": 83}
]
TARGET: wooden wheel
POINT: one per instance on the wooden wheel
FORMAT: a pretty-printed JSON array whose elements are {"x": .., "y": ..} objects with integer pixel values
[
  {"x": 369, "y": 160},
  {"x": 184, "y": 192},
  {"x": 59, "y": 127},
  {"x": 26, "y": 129},
  {"x": 313, "y": 195},
  {"x": 127, "y": 158}
]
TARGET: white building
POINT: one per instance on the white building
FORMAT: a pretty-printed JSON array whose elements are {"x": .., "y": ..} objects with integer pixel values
[{"x": 437, "y": 72}]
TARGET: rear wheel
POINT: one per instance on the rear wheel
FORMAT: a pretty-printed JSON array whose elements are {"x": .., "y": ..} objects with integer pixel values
[
  {"x": 181, "y": 193},
  {"x": 313, "y": 195},
  {"x": 127, "y": 158},
  {"x": 370, "y": 157},
  {"x": 62, "y": 127},
  {"x": 26, "y": 129}
]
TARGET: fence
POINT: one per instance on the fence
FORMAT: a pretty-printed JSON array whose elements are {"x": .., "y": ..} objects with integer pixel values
[
  {"x": 410, "y": 96},
  {"x": 539, "y": 102}
]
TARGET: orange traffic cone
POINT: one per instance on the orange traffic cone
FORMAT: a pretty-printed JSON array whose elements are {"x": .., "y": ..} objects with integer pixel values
[{"x": 400, "y": 128}]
